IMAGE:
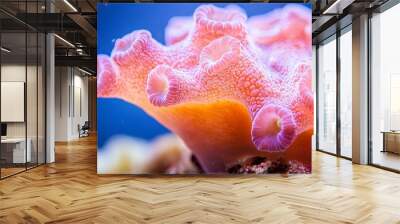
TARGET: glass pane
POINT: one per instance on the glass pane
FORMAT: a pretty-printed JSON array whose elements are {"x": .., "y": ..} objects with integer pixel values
[
  {"x": 327, "y": 97},
  {"x": 31, "y": 100},
  {"x": 13, "y": 86},
  {"x": 31, "y": 88},
  {"x": 41, "y": 98},
  {"x": 346, "y": 94},
  {"x": 314, "y": 73},
  {"x": 386, "y": 89}
]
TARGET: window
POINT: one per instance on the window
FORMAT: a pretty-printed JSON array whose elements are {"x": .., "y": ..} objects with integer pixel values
[
  {"x": 327, "y": 96},
  {"x": 385, "y": 89},
  {"x": 346, "y": 92}
]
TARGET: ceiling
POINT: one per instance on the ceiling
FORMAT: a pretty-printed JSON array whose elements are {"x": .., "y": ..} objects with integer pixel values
[{"x": 75, "y": 23}]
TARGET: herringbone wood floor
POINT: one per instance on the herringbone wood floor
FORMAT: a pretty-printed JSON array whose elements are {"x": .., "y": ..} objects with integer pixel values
[{"x": 70, "y": 191}]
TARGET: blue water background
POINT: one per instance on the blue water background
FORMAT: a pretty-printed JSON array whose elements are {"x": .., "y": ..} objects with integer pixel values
[{"x": 114, "y": 20}]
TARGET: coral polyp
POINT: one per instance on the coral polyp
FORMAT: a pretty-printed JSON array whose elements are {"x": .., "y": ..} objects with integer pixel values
[
  {"x": 163, "y": 86},
  {"x": 273, "y": 128},
  {"x": 229, "y": 86}
]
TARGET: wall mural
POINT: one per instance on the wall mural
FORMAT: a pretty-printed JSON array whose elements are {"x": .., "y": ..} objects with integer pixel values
[{"x": 204, "y": 88}]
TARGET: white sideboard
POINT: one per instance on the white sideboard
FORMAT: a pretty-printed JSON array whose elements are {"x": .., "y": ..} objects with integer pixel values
[
  {"x": 18, "y": 145},
  {"x": 391, "y": 141}
]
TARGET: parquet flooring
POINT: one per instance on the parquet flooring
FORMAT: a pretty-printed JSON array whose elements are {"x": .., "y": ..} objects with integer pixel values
[
  {"x": 70, "y": 191},
  {"x": 10, "y": 171}
]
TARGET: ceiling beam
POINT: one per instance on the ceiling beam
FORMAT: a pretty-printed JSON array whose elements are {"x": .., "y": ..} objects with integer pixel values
[
  {"x": 81, "y": 61},
  {"x": 337, "y": 7},
  {"x": 86, "y": 26}
]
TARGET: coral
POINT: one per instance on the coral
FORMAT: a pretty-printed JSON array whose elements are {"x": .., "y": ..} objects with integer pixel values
[
  {"x": 289, "y": 24},
  {"x": 231, "y": 87},
  {"x": 127, "y": 155}
]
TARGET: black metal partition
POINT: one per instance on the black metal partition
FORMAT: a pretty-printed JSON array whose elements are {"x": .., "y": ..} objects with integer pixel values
[{"x": 23, "y": 86}]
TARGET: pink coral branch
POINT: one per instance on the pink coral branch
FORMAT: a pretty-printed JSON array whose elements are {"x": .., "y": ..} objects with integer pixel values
[{"x": 106, "y": 76}]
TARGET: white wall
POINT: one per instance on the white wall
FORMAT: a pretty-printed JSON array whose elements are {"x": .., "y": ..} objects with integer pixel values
[
  {"x": 12, "y": 73},
  {"x": 61, "y": 103},
  {"x": 81, "y": 89},
  {"x": 71, "y": 94}
]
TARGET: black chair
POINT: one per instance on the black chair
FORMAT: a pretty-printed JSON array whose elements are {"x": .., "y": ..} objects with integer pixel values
[{"x": 84, "y": 130}]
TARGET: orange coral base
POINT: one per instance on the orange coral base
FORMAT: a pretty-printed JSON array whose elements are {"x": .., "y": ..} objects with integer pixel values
[{"x": 219, "y": 134}]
